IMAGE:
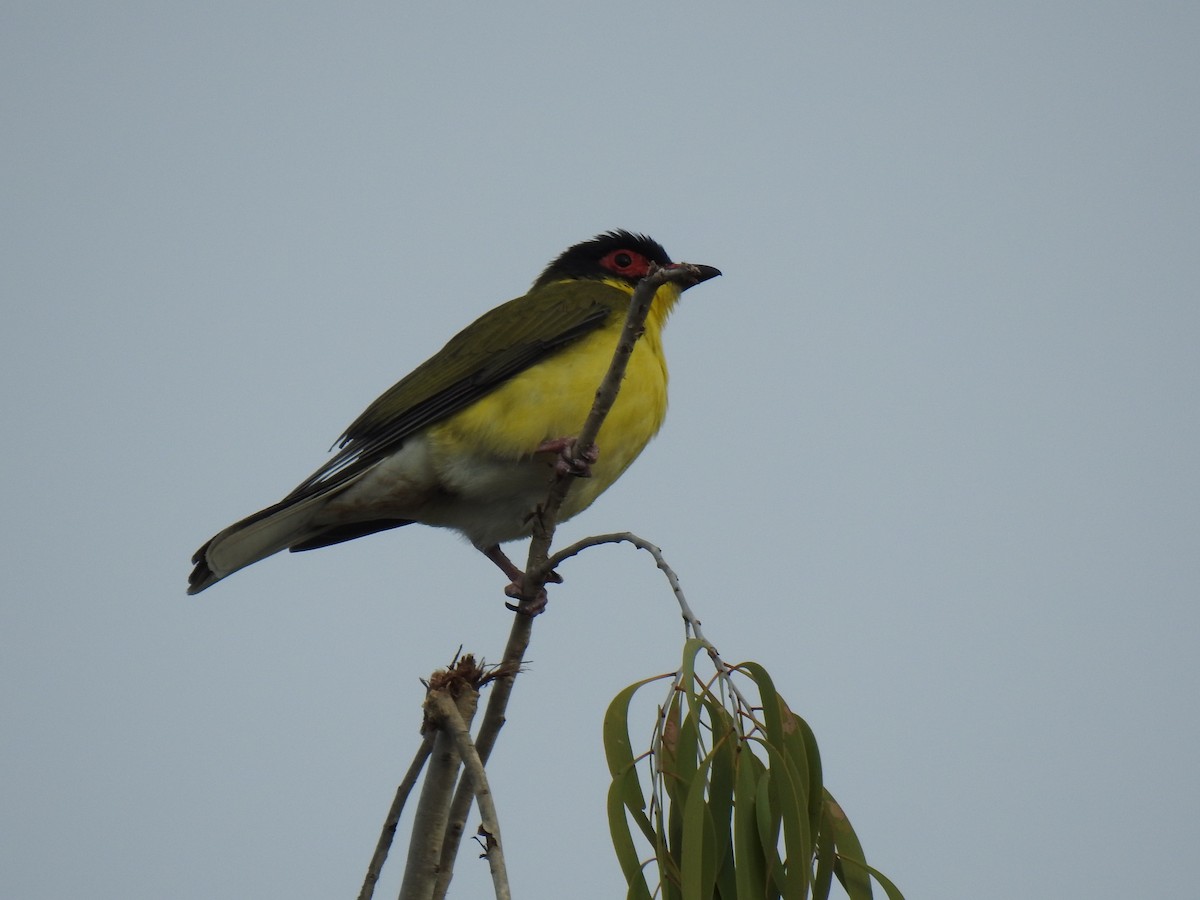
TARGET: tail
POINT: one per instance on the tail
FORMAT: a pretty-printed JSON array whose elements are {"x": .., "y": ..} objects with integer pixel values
[{"x": 256, "y": 537}]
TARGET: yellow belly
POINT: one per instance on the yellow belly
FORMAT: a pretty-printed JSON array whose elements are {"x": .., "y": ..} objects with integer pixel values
[{"x": 485, "y": 454}]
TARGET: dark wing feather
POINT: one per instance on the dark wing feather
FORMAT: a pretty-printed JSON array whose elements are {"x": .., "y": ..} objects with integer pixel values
[{"x": 496, "y": 346}]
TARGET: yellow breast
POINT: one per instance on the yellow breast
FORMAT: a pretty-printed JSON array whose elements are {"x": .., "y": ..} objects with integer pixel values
[{"x": 552, "y": 399}]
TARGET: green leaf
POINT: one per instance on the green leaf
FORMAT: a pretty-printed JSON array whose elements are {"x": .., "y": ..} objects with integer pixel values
[
  {"x": 668, "y": 750},
  {"x": 770, "y": 825},
  {"x": 816, "y": 785},
  {"x": 687, "y": 676},
  {"x": 889, "y": 888},
  {"x": 679, "y": 768},
  {"x": 826, "y": 858},
  {"x": 618, "y": 828},
  {"x": 766, "y": 693},
  {"x": 800, "y": 745},
  {"x": 749, "y": 858},
  {"x": 788, "y": 801},
  {"x": 735, "y": 818},
  {"x": 854, "y": 878},
  {"x": 698, "y": 864},
  {"x": 722, "y": 773},
  {"x": 683, "y": 779},
  {"x": 618, "y": 749}
]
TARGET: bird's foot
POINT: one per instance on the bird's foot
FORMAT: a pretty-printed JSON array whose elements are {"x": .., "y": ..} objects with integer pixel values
[
  {"x": 531, "y": 608},
  {"x": 516, "y": 589},
  {"x": 571, "y": 461},
  {"x": 536, "y": 606}
]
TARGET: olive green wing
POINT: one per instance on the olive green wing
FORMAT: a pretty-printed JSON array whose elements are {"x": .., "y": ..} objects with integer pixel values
[{"x": 496, "y": 346}]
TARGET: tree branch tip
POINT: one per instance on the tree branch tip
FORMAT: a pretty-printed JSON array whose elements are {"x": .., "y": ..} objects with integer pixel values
[{"x": 464, "y": 674}]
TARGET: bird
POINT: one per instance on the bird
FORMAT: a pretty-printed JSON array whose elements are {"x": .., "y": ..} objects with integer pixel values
[{"x": 473, "y": 437}]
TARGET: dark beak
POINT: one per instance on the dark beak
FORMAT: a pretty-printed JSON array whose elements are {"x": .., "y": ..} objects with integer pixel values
[{"x": 700, "y": 273}]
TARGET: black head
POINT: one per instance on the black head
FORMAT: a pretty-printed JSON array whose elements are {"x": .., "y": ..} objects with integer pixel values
[{"x": 614, "y": 254}]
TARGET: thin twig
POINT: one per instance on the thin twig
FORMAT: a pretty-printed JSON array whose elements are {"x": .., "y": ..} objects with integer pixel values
[
  {"x": 388, "y": 832},
  {"x": 628, "y": 537},
  {"x": 536, "y": 569},
  {"x": 691, "y": 624},
  {"x": 485, "y": 740},
  {"x": 453, "y": 723},
  {"x": 639, "y": 307}
]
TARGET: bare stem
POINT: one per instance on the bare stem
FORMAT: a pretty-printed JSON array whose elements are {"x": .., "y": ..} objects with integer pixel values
[
  {"x": 421, "y": 871},
  {"x": 536, "y": 568},
  {"x": 691, "y": 624},
  {"x": 635, "y": 321},
  {"x": 393, "y": 817},
  {"x": 489, "y": 730},
  {"x": 453, "y": 723}
]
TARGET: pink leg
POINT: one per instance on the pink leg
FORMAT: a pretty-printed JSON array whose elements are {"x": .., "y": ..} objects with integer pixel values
[{"x": 517, "y": 577}]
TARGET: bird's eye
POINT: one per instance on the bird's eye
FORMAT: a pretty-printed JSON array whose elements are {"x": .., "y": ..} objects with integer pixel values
[{"x": 629, "y": 264}]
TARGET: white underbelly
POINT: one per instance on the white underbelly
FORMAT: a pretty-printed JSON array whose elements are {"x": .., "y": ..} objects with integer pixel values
[{"x": 490, "y": 500}]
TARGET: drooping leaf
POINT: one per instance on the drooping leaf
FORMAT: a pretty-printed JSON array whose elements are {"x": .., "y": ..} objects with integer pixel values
[
  {"x": 766, "y": 693},
  {"x": 749, "y": 858},
  {"x": 618, "y": 749},
  {"x": 787, "y": 798},
  {"x": 889, "y": 888},
  {"x": 826, "y": 858},
  {"x": 722, "y": 774},
  {"x": 734, "y": 815},
  {"x": 854, "y": 878},
  {"x": 698, "y": 863},
  {"x": 618, "y": 827}
]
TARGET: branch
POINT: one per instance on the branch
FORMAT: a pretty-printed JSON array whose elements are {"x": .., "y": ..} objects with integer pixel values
[
  {"x": 691, "y": 624},
  {"x": 485, "y": 740},
  {"x": 421, "y": 871},
  {"x": 429, "y": 821},
  {"x": 536, "y": 569},
  {"x": 393, "y": 817},
  {"x": 453, "y": 723}
]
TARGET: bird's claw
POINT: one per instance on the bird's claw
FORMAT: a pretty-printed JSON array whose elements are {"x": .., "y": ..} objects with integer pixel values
[
  {"x": 516, "y": 589},
  {"x": 536, "y": 606},
  {"x": 571, "y": 460},
  {"x": 531, "y": 608}
]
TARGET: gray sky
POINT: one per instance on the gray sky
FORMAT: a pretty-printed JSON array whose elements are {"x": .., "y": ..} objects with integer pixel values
[{"x": 931, "y": 456}]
